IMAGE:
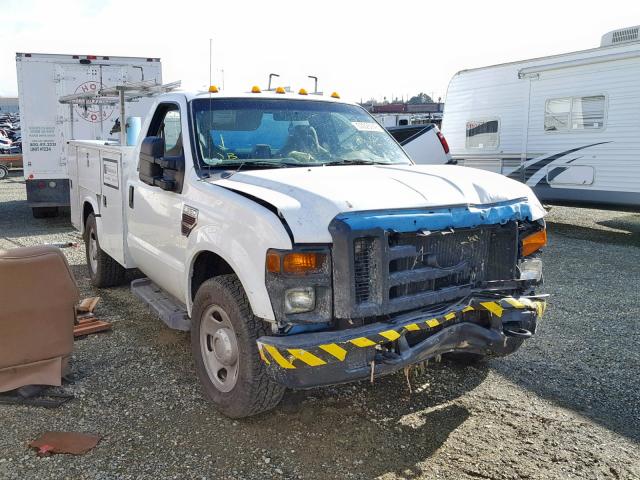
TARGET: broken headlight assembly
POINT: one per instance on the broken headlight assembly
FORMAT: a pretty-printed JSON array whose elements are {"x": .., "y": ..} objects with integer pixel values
[
  {"x": 299, "y": 284},
  {"x": 533, "y": 238}
]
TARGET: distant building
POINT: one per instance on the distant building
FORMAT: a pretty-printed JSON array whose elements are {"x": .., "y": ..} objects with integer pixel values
[
  {"x": 9, "y": 105},
  {"x": 389, "y": 108},
  {"x": 434, "y": 107}
]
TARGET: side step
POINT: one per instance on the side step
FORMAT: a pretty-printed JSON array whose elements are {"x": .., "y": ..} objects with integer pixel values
[{"x": 170, "y": 310}]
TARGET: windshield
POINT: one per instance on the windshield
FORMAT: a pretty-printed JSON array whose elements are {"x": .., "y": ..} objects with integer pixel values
[{"x": 278, "y": 133}]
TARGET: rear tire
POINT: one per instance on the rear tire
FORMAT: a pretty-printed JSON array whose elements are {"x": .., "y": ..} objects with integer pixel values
[
  {"x": 4, "y": 172},
  {"x": 104, "y": 271},
  {"x": 223, "y": 341},
  {"x": 44, "y": 212}
]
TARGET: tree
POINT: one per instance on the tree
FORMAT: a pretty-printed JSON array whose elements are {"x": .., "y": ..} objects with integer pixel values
[{"x": 420, "y": 99}]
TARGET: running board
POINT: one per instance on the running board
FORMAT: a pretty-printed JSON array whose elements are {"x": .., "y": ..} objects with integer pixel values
[{"x": 170, "y": 311}]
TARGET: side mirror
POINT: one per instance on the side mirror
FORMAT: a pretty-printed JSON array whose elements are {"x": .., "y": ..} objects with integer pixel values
[
  {"x": 152, "y": 148},
  {"x": 157, "y": 170}
]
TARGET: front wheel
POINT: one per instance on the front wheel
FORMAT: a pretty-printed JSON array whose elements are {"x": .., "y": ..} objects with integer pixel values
[
  {"x": 4, "y": 172},
  {"x": 223, "y": 341},
  {"x": 104, "y": 271}
]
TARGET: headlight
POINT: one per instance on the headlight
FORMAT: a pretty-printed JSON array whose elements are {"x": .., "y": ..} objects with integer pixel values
[
  {"x": 299, "y": 284},
  {"x": 531, "y": 269},
  {"x": 298, "y": 300}
]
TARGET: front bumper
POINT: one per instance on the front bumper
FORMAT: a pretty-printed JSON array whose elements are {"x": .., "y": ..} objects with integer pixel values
[{"x": 477, "y": 325}]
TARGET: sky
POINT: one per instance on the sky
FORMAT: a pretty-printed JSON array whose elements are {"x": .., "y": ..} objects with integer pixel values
[{"x": 361, "y": 49}]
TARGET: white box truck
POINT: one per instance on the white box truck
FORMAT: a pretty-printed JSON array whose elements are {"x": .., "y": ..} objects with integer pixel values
[
  {"x": 300, "y": 244},
  {"x": 47, "y": 125}
]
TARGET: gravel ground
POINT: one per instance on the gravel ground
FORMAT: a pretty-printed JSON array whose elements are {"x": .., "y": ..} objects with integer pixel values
[{"x": 566, "y": 406}]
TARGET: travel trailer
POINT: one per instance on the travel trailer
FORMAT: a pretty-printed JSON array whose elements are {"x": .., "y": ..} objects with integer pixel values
[{"x": 567, "y": 125}]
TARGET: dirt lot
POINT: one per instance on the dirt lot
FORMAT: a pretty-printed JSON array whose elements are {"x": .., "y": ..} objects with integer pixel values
[{"x": 566, "y": 406}]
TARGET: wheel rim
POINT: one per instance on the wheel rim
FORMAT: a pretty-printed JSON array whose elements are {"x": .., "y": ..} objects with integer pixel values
[
  {"x": 93, "y": 251},
  {"x": 219, "y": 348},
  {"x": 3, "y": 173}
]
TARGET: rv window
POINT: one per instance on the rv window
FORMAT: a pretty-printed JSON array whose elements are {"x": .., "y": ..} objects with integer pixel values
[
  {"x": 574, "y": 113},
  {"x": 556, "y": 115},
  {"x": 482, "y": 134},
  {"x": 587, "y": 112}
]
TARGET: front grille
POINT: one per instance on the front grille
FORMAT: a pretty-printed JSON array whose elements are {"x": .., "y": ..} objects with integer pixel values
[
  {"x": 422, "y": 268},
  {"x": 432, "y": 261},
  {"x": 363, "y": 268}
]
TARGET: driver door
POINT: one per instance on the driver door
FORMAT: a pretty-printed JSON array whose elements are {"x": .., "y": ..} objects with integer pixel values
[{"x": 154, "y": 215}]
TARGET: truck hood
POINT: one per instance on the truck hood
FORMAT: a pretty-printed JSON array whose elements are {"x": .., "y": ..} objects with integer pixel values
[{"x": 308, "y": 198}]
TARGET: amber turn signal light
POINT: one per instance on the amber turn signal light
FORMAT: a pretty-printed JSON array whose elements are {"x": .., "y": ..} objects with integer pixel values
[
  {"x": 294, "y": 262},
  {"x": 273, "y": 262},
  {"x": 534, "y": 242}
]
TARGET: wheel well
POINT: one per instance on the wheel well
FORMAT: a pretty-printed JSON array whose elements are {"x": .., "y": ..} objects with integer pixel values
[
  {"x": 207, "y": 265},
  {"x": 87, "y": 209}
]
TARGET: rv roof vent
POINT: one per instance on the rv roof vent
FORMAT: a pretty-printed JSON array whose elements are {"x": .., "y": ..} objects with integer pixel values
[{"x": 622, "y": 35}]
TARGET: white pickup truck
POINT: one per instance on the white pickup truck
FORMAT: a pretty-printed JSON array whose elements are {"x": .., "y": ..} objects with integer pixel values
[{"x": 296, "y": 240}]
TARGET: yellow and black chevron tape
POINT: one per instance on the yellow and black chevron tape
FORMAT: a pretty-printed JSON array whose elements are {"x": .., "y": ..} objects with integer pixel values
[{"x": 337, "y": 352}]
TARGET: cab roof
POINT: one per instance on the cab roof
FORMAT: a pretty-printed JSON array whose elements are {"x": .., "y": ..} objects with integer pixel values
[{"x": 270, "y": 94}]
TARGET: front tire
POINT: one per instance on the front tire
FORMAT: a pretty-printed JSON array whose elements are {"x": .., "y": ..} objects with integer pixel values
[
  {"x": 4, "y": 172},
  {"x": 104, "y": 271},
  {"x": 223, "y": 341}
]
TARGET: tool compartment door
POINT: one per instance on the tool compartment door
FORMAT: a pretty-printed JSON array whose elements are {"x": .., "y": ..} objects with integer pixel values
[
  {"x": 74, "y": 187},
  {"x": 112, "y": 234}
]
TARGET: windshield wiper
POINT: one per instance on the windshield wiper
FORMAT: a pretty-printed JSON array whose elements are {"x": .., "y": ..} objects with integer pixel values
[
  {"x": 355, "y": 161},
  {"x": 249, "y": 163}
]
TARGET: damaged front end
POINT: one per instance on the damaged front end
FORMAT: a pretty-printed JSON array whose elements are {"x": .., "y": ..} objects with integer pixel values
[
  {"x": 489, "y": 326},
  {"x": 400, "y": 287}
]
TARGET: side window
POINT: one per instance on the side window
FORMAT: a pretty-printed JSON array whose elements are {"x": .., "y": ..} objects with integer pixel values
[
  {"x": 167, "y": 125},
  {"x": 574, "y": 113},
  {"x": 483, "y": 134},
  {"x": 171, "y": 132}
]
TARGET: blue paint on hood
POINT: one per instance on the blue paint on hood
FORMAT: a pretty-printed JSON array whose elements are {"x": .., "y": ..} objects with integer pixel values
[{"x": 467, "y": 216}]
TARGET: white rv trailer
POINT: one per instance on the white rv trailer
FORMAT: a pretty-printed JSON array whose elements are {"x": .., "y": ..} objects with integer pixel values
[
  {"x": 47, "y": 125},
  {"x": 568, "y": 125}
]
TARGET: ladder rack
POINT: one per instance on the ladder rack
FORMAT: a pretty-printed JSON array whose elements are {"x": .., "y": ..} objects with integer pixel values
[{"x": 119, "y": 94}]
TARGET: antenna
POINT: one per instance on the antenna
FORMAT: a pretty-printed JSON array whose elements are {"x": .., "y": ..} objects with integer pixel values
[
  {"x": 270, "y": 76},
  {"x": 315, "y": 83},
  {"x": 210, "y": 60}
]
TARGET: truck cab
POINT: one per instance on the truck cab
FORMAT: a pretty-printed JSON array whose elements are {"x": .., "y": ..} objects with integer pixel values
[{"x": 296, "y": 240}]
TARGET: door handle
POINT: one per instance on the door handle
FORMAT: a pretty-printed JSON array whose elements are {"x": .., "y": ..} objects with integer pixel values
[{"x": 130, "y": 196}]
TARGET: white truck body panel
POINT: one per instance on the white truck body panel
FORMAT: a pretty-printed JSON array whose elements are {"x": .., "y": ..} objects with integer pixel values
[
  {"x": 47, "y": 125},
  {"x": 578, "y": 165}
]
